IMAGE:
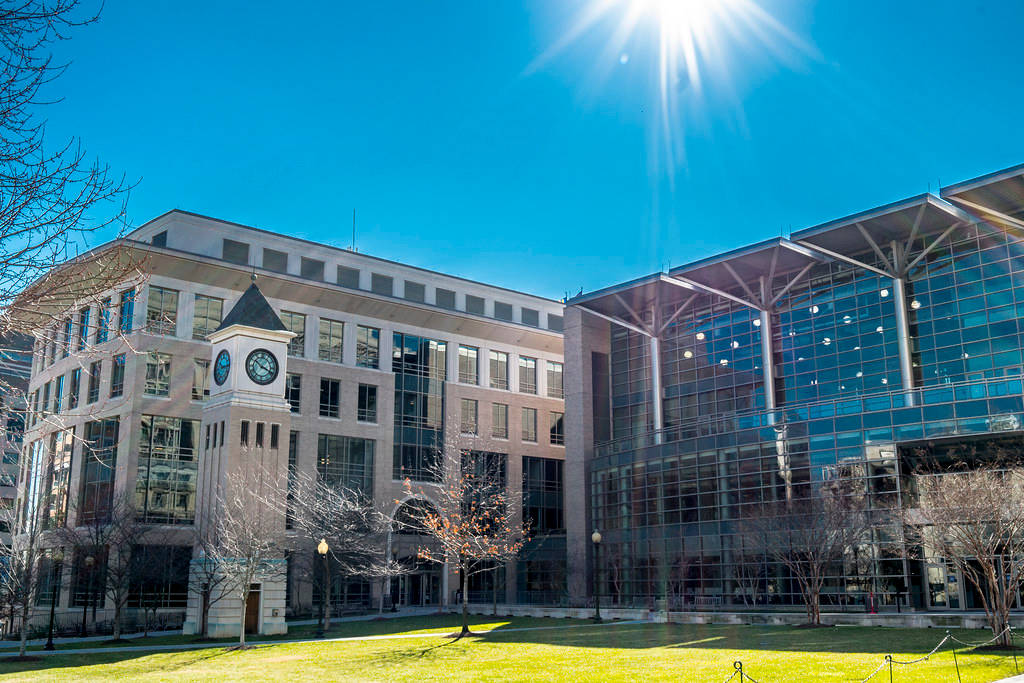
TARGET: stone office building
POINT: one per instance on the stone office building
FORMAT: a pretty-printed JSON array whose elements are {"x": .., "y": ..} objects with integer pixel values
[
  {"x": 382, "y": 364},
  {"x": 858, "y": 349}
]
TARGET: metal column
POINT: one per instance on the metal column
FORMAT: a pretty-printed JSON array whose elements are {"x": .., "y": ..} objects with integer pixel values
[
  {"x": 656, "y": 387},
  {"x": 768, "y": 365},
  {"x": 903, "y": 338}
]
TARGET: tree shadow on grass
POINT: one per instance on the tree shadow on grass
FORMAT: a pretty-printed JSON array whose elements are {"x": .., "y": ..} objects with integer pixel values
[{"x": 73, "y": 659}]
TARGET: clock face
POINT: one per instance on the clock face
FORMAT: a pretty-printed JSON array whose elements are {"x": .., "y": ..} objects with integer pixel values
[
  {"x": 221, "y": 367},
  {"x": 261, "y": 366}
]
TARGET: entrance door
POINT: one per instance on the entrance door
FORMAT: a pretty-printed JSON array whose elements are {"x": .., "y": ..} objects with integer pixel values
[{"x": 252, "y": 610}]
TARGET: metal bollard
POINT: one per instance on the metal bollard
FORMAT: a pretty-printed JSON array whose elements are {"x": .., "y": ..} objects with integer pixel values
[
  {"x": 738, "y": 665},
  {"x": 888, "y": 658}
]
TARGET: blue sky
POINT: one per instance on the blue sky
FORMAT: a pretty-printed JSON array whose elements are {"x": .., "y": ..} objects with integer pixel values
[{"x": 458, "y": 155}]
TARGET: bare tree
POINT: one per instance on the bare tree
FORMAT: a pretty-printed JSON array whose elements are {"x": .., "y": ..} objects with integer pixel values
[
  {"x": 250, "y": 533},
  {"x": 20, "y": 571},
  {"x": 975, "y": 519},
  {"x": 472, "y": 522},
  {"x": 347, "y": 521},
  {"x": 108, "y": 534},
  {"x": 204, "y": 579},
  {"x": 809, "y": 537}
]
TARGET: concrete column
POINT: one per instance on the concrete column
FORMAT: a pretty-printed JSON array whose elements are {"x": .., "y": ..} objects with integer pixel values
[
  {"x": 656, "y": 387},
  {"x": 768, "y": 365},
  {"x": 903, "y": 337}
]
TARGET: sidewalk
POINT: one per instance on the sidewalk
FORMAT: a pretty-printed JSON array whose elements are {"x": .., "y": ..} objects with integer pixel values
[{"x": 214, "y": 646}]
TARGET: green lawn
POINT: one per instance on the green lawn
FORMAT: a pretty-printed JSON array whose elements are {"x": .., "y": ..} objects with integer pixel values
[{"x": 548, "y": 652}]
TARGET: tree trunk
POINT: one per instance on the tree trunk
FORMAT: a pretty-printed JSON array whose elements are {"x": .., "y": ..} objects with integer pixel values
[
  {"x": 241, "y": 630},
  {"x": 494, "y": 597},
  {"x": 24, "y": 628},
  {"x": 117, "y": 620},
  {"x": 465, "y": 603},
  {"x": 383, "y": 585}
]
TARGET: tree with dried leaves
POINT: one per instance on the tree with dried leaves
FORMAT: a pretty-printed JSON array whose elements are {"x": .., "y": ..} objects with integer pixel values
[
  {"x": 250, "y": 539},
  {"x": 974, "y": 518},
  {"x": 809, "y": 537},
  {"x": 472, "y": 521}
]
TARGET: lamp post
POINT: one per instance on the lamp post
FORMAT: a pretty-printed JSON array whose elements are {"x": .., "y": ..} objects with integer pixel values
[
  {"x": 54, "y": 593},
  {"x": 596, "y": 538},
  {"x": 322, "y": 548},
  {"x": 88, "y": 561}
]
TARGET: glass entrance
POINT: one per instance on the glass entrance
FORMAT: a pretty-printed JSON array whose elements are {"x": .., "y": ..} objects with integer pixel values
[{"x": 420, "y": 588}]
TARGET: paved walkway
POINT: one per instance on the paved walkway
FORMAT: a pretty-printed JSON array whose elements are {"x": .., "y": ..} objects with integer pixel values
[{"x": 177, "y": 647}]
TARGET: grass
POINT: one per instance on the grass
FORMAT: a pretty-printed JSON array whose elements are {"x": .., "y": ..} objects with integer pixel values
[{"x": 550, "y": 651}]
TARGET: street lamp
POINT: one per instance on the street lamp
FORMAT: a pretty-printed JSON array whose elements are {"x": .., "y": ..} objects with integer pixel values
[
  {"x": 596, "y": 538},
  {"x": 322, "y": 548},
  {"x": 88, "y": 561},
  {"x": 55, "y": 592}
]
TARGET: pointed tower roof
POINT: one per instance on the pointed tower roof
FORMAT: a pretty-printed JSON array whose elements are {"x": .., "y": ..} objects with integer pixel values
[{"x": 253, "y": 310}]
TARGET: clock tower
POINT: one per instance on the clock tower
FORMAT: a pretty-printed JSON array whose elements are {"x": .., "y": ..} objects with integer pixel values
[{"x": 244, "y": 443}]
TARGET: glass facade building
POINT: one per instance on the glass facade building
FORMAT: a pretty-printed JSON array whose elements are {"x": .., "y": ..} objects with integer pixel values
[{"x": 855, "y": 350}]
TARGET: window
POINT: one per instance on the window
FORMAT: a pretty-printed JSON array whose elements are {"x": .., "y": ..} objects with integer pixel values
[
  {"x": 65, "y": 346},
  {"x": 414, "y": 291},
  {"x": 200, "y": 379},
  {"x": 99, "y": 463},
  {"x": 311, "y": 268},
  {"x": 445, "y": 298},
  {"x": 275, "y": 436},
  {"x": 126, "y": 310},
  {"x": 235, "y": 252},
  {"x": 243, "y": 433},
  {"x": 555, "y": 322},
  {"x": 162, "y": 311},
  {"x": 527, "y": 375},
  {"x": 367, "y": 347},
  {"x": 367, "y": 408},
  {"x": 74, "y": 388},
  {"x": 103, "y": 329},
  {"x": 345, "y": 461},
  {"x": 499, "y": 370},
  {"x": 158, "y": 374},
  {"x": 207, "y": 317},
  {"x": 58, "y": 393},
  {"x": 557, "y": 429},
  {"x": 293, "y": 457},
  {"x": 555, "y": 386},
  {"x": 274, "y": 260},
  {"x": 295, "y": 322},
  {"x": 330, "y": 391},
  {"x": 502, "y": 310},
  {"x": 469, "y": 365},
  {"x": 382, "y": 284},
  {"x": 468, "y": 425},
  {"x": 83, "y": 328},
  {"x": 165, "y": 487},
  {"x": 474, "y": 304},
  {"x": 529, "y": 424},
  {"x": 499, "y": 420},
  {"x": 293, "y": 391},
  {"x": 260, "y": 429},
  {"x": 420, "y": 367},
  {"x": 94, "y": 381},
  {"x": 348, "y": 277},
  {"x": 530, "y": 316},
  {"x": 160, "y": 239},
  {"x": 331, "y": 334},
  {"x": 46, "y": 398}
]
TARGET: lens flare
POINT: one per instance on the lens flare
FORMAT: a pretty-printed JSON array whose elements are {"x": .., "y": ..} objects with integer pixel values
[{"x": 689, "y": 46}]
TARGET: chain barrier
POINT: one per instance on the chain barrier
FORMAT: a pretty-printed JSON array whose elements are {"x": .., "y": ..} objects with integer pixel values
[{"x": 889, "y": 661}]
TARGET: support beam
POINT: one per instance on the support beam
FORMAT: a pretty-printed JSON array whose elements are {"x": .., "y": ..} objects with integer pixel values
[
  {"x": 903, "y": 337},
  {"x": 768, "y": 365},
  {"x": 656, "y": 407},
  {"x": 876, "y": 248},
  {"x": 628, "y": 326},
  {"x": 697, "y": 287},
  {"x": 931, "y": 246},
  {"x": 845, "y": 259}
]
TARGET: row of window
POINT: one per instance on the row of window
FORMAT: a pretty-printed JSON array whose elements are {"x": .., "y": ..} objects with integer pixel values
[
  {"x": 52, "y": 398},
  {"x": 315, "y": 269},
  {"x": 469, "y": 371},
  {"x": 75, "y": 332},
  {"x": 469, "y": 423}
]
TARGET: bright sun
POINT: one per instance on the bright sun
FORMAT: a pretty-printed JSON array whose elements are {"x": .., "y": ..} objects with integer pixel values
[{"x": 696, "y": 42}]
